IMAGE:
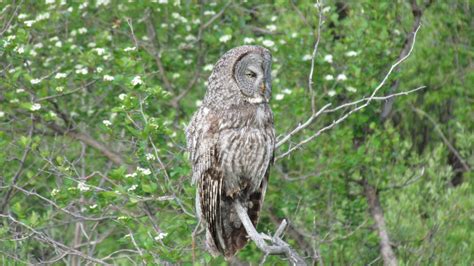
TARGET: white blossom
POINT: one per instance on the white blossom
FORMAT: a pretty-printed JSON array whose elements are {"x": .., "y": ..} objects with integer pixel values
[
  {"x": 209, "y": 13},
  {"x": 35, "y": 81},
  {"x": 49, "y": 2},
  {"x": 331, "y": 93},
  {"x": 132, "y": 188},
  {"x": 286, "y": 91},
  {"x": 83, "y": 187},
  {"x": 271, "y": 27},
  {"x": 128, "y": 49},
  {"x": 294, "y": 35},
  {"x": 122, "y": 96},
  {"x": 107, "y": 123},
  {"x": 93, "y": 206},
  {"x": 82, "y": 71},
  {"x": 82, "y": 30},
  {"x": 176, "y": 75},
  {"x": 273, "y": 18},
  {"x": 20, "y": 90},
  {"x": 42, "y": 16},
  {"x": 29, "y": 23},
  {"x": 131, "y": 175},
  {"x": 248, "y": 40},
  {"x": 188, "y": 61},
  {"x": 198, "y": 103},
  {"x": 328, "y": 58},
  {"x": 208, "y": 67},
  {"x": 144, "y": 171},
  {"x": 279, "y": 97},
  {"x": 341, "y": 77},
  {"x": 22, "y": 16},
  {"x": 59, "y": 88},
  {"x": 137, "y": 80},
  {"x": 307, "y": 57},
  {"x": 326, "y": 9},
  {"x": 329, "y": 77},
  {"x": 58, "y": 44},
  {"x": 108, "y": 78},
  {"x": 160, "y": 236},
  {"x": 60, "y": 75},
  {"x": 54, "y": 192},
  {"x": 20, "y": 49},
  {"x": 2, "y": 114},
  {"x": 351, "y": 53},
  {"x": 268, "y": 43},
  {"x": 102, "y": 2},
  {"x": 351, "y": 89},
  {"x": 150, "y": 157},
  {"x": 163, "y": 2},
  {"x": 83, "y": 5},
  {"x": 99, "y": 69},
  {"x": 225, "y": 38},
  {"x": 100, "y": 51}
]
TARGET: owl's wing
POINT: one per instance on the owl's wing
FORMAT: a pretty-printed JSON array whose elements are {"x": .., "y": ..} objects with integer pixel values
[
  {"x": 201, "y": 141},
  {"x": 202, "y": 136}
]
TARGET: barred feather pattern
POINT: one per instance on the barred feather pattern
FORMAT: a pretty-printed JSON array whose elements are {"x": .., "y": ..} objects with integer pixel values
[{"x": 231, "y": 143}]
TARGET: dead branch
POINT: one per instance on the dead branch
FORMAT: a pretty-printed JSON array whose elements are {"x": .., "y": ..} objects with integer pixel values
[
  {"x": 368, "y": 100},
  {"x": 417, "y": 13},
  {"x": 278, "y": 246}
]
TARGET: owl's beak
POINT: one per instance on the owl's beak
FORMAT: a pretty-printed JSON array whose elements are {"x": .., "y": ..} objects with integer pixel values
[{"x": 262, "y": 88}]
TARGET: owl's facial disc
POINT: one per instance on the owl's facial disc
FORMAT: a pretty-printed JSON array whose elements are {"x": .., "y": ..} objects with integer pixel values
[{"x": 252, "y": 74}]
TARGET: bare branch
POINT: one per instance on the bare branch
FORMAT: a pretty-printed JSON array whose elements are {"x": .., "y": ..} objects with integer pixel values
[
  {"x": 367, "y": 100},
  {"x": 278, "y": 246}
]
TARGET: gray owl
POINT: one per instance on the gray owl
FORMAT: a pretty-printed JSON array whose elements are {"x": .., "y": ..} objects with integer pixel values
[{"x": 231, "y": 140}]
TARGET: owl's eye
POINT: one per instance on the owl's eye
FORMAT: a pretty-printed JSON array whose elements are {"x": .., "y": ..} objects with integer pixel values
[{"x": 251, "y": 74}]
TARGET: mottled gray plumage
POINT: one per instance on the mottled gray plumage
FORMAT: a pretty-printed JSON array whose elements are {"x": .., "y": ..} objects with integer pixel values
[{"x": 231, "y": 141}]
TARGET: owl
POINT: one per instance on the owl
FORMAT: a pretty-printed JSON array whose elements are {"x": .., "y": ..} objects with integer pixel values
[{"x": 231, "y": 142}]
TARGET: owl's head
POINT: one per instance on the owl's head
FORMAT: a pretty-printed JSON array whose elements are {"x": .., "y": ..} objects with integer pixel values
[
  {"x": 252, "y": 73},
  {"x": 244, "y": 74}
]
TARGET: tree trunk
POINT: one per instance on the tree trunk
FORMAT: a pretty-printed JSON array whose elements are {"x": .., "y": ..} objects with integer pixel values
[{"x": 377, "y": 214}]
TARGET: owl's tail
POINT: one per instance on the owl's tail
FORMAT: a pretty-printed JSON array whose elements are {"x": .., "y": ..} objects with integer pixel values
[{"x": 225, "y": 234}]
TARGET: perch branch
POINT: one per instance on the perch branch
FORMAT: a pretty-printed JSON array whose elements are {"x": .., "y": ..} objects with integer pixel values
[{"x": 278, "y": 246}]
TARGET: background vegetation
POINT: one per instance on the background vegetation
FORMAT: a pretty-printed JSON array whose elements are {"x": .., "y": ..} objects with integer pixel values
[{"x": 95, "y": 95}]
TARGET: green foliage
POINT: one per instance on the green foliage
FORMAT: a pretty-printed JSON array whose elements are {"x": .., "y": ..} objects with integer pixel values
[{"x": 92, "y": 146}]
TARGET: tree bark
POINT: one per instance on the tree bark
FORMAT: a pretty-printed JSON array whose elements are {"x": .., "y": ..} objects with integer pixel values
[{"x": 377, "y": 214}]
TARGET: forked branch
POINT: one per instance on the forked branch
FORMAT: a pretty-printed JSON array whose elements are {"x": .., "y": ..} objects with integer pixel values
[{"x": 277, "y": 246}]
